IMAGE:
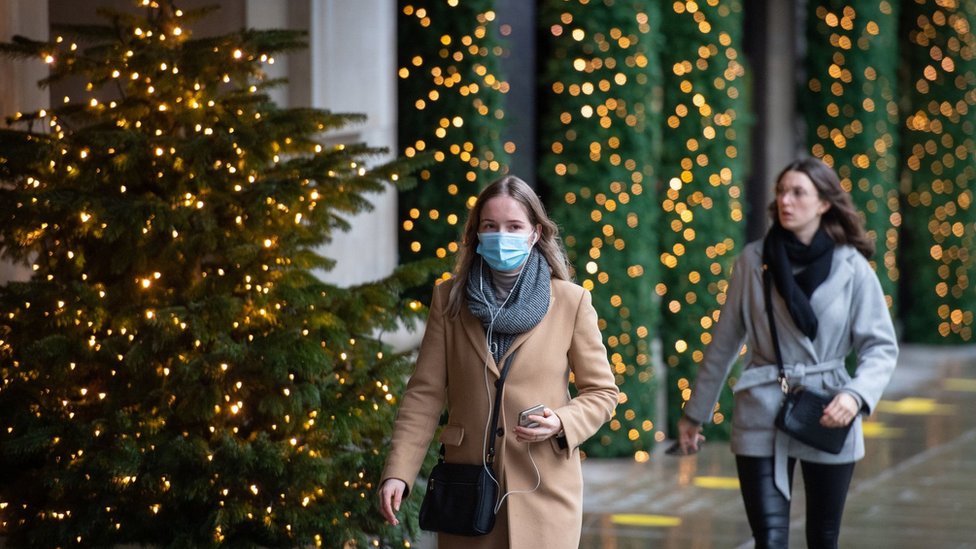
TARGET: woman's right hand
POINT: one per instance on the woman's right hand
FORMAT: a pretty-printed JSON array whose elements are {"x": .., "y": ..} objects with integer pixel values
[
  {"x": 391, "y": 494},
  {"x": 689, "y": 435}
]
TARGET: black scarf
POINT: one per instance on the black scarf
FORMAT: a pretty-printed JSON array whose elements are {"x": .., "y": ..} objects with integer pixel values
[
  {"x": 526, "y": 305},
  {"x": 781, "y": 253}
]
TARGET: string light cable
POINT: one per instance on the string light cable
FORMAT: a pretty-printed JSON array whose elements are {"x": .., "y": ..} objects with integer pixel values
[{"x": 489, "y": 346}]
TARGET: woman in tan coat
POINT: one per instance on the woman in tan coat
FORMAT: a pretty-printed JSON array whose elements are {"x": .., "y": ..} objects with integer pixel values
[{"x": 510, "y": 294}]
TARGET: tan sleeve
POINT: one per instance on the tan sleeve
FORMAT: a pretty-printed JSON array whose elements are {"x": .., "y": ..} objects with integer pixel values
[
  {"x": 422, "y": 402},
  {"x": 597, "y": 391}
]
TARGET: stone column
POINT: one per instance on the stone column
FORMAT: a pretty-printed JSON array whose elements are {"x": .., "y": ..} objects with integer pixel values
[
  {"x": 353, "y": 69},
  {"x": 773, "y": 36},
  {"x": 19, "y": 92}
]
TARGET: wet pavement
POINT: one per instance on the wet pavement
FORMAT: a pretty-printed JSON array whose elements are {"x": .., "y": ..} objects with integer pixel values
[{"x": 916, "y": 486}]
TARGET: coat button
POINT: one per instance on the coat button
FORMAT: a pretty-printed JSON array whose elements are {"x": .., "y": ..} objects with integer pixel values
[{"x": 500, "y": 432}]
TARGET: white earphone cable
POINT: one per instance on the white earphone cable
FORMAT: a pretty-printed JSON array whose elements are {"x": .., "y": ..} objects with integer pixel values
[{"x": 488, "y": 345}]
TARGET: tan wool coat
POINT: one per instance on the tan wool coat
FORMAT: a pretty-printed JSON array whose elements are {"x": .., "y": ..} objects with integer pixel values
[{"x": 454, "y": 367}]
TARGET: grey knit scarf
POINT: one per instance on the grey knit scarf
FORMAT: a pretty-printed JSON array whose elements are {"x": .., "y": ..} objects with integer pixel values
[{"x": 526, "y": 305}]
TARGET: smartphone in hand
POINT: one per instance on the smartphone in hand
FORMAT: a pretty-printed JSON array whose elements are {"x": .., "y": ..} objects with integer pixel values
[
  {"x": 675, "y": 450},
  {"x": 536, "y": 410}
]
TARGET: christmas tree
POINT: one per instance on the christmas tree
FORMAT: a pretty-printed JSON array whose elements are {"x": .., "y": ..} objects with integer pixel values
[{"x": 173, "y": 374}]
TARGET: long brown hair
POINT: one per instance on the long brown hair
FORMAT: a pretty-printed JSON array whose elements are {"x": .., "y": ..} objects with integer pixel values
[
  {"x": 549, "y": 244},
  {"x": 841, "y": 221}
]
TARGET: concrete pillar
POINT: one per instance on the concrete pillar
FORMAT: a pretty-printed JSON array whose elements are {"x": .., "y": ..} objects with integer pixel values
[
  {"x": 353, "y": 70},
  {"x": 19, "y": 92},
  {"x": 271, "y": 14},
  {"x": 517, "y": 24},
  {"x": 772, "y": 39}
]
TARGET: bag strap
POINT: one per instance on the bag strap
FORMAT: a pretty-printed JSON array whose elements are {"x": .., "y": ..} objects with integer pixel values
[
  {"x": 768, "y": 291},
  {"x": 496, "y": 409},
  {"x": 499, "y": 383}
]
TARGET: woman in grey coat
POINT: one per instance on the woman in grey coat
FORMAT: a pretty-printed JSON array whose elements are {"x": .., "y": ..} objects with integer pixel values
[{"x": 827, "y": 301}]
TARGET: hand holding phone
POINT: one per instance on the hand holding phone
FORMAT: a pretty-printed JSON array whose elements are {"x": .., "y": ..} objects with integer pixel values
[
  {"x": 536, "y": 410},
  {"x": 676, "y": 450},
  {"x": 689, "y": 432}
]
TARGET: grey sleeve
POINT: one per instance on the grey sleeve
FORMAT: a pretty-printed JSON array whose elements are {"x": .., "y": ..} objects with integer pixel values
[
  {"x": 873, "y": 337},
  {"x": 727, "y": 339}
]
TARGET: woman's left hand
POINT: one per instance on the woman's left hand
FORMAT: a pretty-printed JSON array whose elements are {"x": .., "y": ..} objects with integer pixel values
[
  {"x": 840, "y": 412},
  {"x": 549, "y": 426}
]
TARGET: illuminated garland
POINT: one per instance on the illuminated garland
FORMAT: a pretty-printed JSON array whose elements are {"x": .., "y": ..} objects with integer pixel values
[
  {"x": 702, "y": 230},
  {"x": 173, "y": 374},
  {"x": 851, "y": 110},
  {"x": 600, "y": 132},
  {"x": 939, "y": 245},
  {"x": 450, "y": 104}
]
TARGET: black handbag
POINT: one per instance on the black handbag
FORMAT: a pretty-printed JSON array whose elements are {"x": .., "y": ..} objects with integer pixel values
[
  {"x": 800, "y": 418},
  {"x": 802, "y": 408},
  {"x": 461, "y": 498}
]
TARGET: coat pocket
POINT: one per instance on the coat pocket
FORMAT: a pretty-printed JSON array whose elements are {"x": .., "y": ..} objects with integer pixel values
[
  {"x": 451, "y": 435},
  {"x": 755, "y": 408}
]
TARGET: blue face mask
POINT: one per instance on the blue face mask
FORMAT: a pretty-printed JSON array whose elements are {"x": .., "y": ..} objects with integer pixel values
[{"x": 504, "y": 251}]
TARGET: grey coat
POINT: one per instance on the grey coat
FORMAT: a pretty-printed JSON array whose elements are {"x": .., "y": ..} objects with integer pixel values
[{"x": 852, "y": 314}]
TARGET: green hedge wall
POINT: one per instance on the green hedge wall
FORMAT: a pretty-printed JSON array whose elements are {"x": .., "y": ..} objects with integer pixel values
[
  {"x": 939, "y": 171},
  {"x": 851, "y": 112},
  {"x": 600, "y": 137},
  {"x": 450, "y": 102},
  {"x": 703, "y": 169}
]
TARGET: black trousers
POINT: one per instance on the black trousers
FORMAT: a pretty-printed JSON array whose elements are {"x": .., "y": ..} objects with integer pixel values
[{"x": 769, "y": 511}]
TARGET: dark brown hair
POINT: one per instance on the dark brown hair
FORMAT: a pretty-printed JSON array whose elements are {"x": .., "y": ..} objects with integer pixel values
[
  {"x": 841, "y": 222},
  {"x": 549, "y": 244}
]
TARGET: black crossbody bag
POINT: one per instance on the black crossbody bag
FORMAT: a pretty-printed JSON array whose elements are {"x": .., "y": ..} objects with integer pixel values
[
  {"x": 460, "y": 497},
  {"x": 802, "y": 408}
]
